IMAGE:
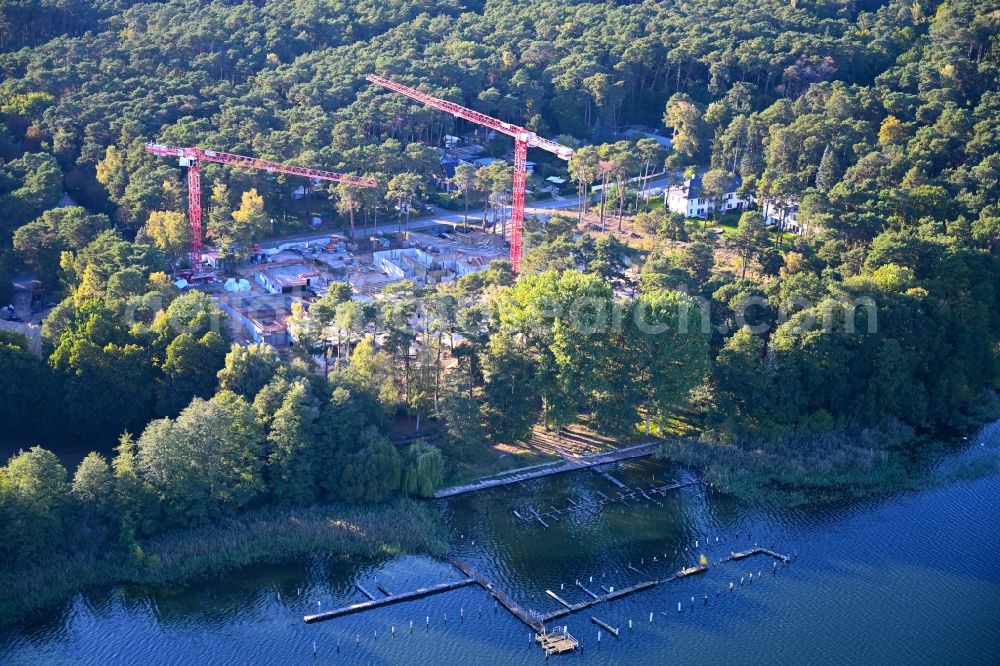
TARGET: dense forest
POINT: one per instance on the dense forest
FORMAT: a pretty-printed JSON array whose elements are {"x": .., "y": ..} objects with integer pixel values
[{"x": 880, "y": 121}]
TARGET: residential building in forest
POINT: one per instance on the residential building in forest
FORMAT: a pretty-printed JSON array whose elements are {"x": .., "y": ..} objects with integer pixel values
[{"x": 690, "y": 200}]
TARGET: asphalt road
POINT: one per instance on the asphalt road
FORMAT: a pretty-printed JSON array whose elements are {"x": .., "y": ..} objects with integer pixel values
[{"x": 442, "y": 217}]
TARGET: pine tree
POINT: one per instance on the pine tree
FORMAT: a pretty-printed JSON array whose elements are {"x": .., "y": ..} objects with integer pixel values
[{"x": 829, "y": 170}]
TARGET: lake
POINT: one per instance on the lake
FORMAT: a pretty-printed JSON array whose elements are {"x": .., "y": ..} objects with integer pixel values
[{"x": 909, "y": 579}]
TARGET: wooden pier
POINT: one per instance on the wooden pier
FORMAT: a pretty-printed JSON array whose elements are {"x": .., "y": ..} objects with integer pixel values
[
  {"x": 386, "y": 601},
  {"x": 580, "y": 585},
  {"x": 528, "y": 617},
  {"x": 551, "y": 642},
  {"x": 557, "y": 467},
  {"x": 617, "y": 594},
  {"x": 604, "y": 625},
  {"x": 364, "y": 591},
  {"x": 558, "y": 598},
  {"x": 742, "y": 555},
  {"x": 611, "y": 479},
  {"x": 556, "y": 642},
  {"x": 637, "y": 494},
  {"x": 539, "y": 518},
  {"x": 689, "y": 571}
]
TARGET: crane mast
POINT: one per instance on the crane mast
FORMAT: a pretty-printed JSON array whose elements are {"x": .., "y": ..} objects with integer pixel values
[
  {"x": 192, "y": 158},
  {"x": 523, "y": 139}
]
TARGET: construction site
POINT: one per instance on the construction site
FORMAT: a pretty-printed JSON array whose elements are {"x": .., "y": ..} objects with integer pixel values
[{"x": 261, "y": 295}]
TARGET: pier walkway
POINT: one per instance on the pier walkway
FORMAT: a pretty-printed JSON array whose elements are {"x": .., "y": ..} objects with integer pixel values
[
  {"x": 551, "y": 642},
  {"x": 742, "y": 555},
  {"x": 386, "y": 601},
  {"x": 568, "y": 464},
  {"x": 637, "y": 494},
  {"x": 528, "y": 617}
]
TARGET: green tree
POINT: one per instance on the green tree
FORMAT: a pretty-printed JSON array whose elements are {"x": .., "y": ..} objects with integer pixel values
[
  {"x": 170, "y": 231},
  {"x": 465, "y": 181},
  {"x": 248, "y": 369},
  {"x": 29, "y": 395},
  {"x": 423, "y": 470},
  {"x": 348, "y": 202},
  {"x": 205, "y": 464},
  {"x": 584, "y": 168},
  {"x": 510, "y": 406},
  {"x": 41, "y": 242},
  {"x": 829, "y": 170},
  {"x": 190, "y": 369},
  {"x": 33, "y": 496},
  {"x": 372, "y": 475},
  {"x": 292, "y": 441},
  {"x": 94, "y": 487},
  {"x": 684, "y": 115},
  {"x": 741, "y": 384},
  {"x": 715, "y": 183},
  {"x": 668, "y": 334},
  {"x": 749, "y": 240},
  {"x": 697, "y": 259},
  {"x": 402, "y": 189}
]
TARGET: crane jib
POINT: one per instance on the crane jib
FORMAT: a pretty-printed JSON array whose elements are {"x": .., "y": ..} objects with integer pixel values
[{"x": 523, "y": 138}]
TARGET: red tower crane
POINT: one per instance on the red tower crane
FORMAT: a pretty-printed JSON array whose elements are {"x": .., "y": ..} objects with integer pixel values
[
  {"x": 192, "y": 157},
  {"x": 523, "y": 138}
]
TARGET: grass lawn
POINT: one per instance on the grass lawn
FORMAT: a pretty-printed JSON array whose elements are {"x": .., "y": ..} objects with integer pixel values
[{"x": 729, "y": 222}]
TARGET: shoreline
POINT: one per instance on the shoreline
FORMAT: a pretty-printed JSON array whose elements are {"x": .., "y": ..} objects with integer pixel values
[
  {"x": 265, "y": 536},
  {"x": 845, "y": 464},
  {"x": 799, "y": 471}
]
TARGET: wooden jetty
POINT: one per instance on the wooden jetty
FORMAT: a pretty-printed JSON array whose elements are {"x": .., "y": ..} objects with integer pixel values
[
  {"x": 580, "y": 585},
  {"x": 604, "y": 625},
  {"x": 386, "y": 601},
  {"x": 539, "y": 518},
  {"x": 656, "y": 502},
  {"x": 613, "y": 480},
  {"x": 625, "y": 591},
  {"x": 557, "y": 467},
  {"x": 558, "y": 598},
  {"x": 743, "y": 554},
  {"x": 364, "y": 591},
  {"x": 784, "y": 559},
  {"x": 690, "y": 571},
  {"x": 529, "y": 618},
  {"x": 584, "y": 507},
  {"x": 556, "y": 642},
  {"x": 637, "y": 494}
]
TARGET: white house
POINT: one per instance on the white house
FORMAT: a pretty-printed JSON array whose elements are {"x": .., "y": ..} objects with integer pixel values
[
  {"x": 689, "y": 200},
  {"x": 787, "y": 213}
]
